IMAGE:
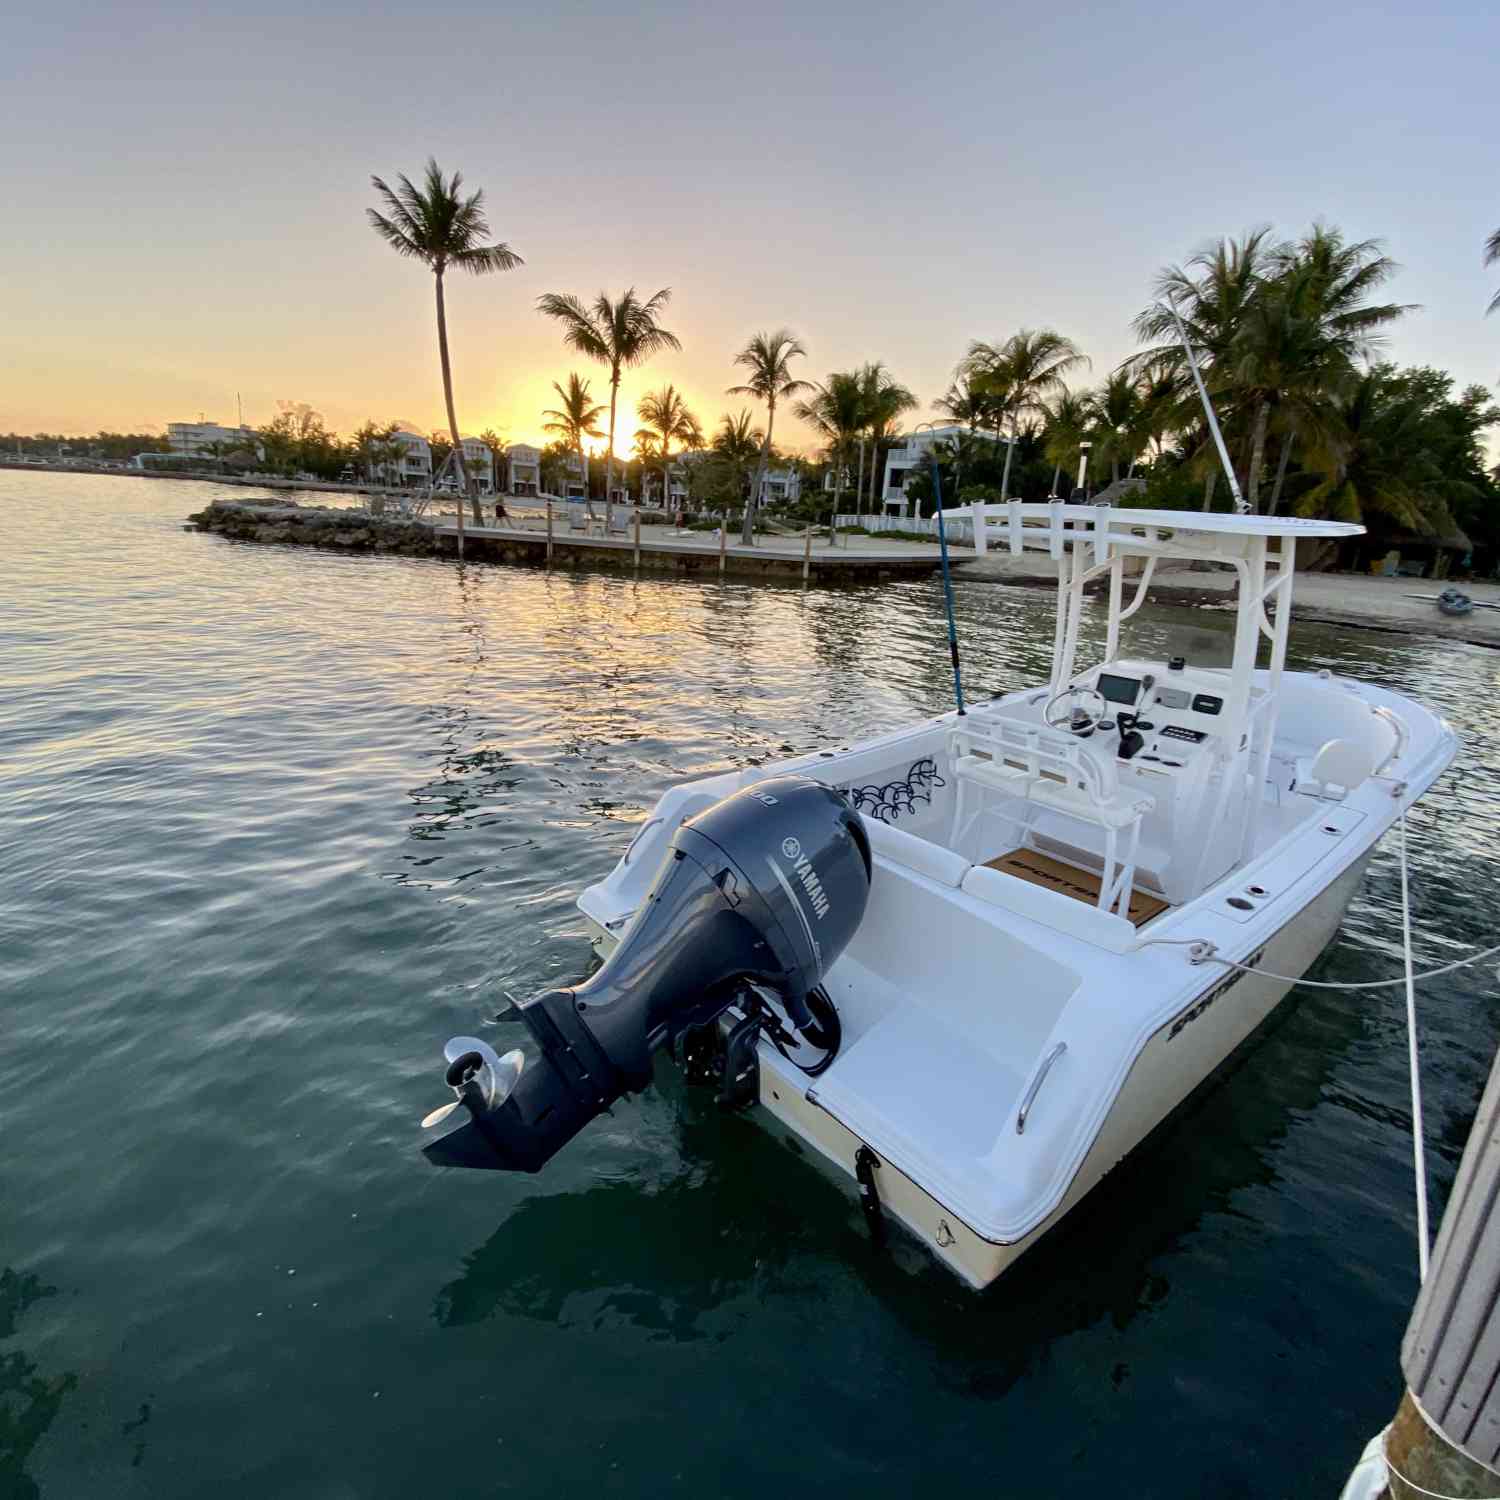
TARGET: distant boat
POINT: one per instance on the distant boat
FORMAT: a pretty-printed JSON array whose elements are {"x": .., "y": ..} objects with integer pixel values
[{"x": 1453, "y": 601}]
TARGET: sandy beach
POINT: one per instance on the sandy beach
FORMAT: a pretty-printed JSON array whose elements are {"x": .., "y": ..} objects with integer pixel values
[{"x": 1404, "y": 605}]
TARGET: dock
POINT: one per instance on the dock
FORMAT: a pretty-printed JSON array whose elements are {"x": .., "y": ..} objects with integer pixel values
[
  {"x": 665, "y": 549},
  {"x": 526, "y": 541}
]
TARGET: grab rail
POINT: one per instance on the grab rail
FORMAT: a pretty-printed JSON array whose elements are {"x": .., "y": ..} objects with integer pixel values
[
  {"x": 1038, "y": 1079},
  {"x": 1398, "y": 727},
  {"x": 644, "y": 830}
]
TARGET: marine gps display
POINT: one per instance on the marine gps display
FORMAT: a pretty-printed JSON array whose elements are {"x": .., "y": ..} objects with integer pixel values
[{"x": 1119, "y": 689}]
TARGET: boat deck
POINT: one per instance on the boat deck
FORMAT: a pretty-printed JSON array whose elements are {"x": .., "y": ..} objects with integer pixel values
[{"x": 1069, "y": 880}]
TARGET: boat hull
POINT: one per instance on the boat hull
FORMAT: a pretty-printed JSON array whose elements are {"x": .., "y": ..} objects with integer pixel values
[{"x": 1175, "y": 1061}]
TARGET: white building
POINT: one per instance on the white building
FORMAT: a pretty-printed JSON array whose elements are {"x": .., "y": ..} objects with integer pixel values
[
  {"x": 575, "y": 477},
  {"x": 525, "y": 465},
  {"x": 901, "y": 461},
  {"x": 480, "y": 463},
  {"x": 210, "y": 440},
  {"x": 414, "y": 466},
  {"x": 781, "y": 485}
]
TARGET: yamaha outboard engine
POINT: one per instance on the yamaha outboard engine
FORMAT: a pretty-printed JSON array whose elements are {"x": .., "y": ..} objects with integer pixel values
[{"x": 757, "y": 896}]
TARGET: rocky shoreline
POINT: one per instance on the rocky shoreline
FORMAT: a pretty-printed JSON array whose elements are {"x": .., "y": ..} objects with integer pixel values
[{"x": 310, "y": 526}]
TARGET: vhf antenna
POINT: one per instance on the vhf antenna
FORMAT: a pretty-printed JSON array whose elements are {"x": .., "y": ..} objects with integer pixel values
[{"x": 1240, "y": 508}]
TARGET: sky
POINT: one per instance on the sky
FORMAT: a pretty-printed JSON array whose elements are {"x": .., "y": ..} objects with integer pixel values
[{"x": 184, "y": 187}]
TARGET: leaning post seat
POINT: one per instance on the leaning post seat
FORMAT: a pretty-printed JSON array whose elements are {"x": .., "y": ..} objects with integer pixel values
[{"x": 1037, "y": 767}]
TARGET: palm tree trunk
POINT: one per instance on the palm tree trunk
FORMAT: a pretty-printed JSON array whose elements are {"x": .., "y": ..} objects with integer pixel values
[
  {"x": 666, "y": 477},
  {"x": 1010, "y": 448},
  {"x": 838, "y": 496},
  {"x": 1056, "y": 475},
  {"x": 859, "y": 486},
  {"x": 1258, "y": 454},
  {"x": 1286, "y": 453},
  {"x": 1209, "y": 485},
  {"x": 747, "y": 531},
  {"x": 609, "y": 467},
  {"x": 583, "y": 469},
  {"x": 463, "y": 473},
  {"x": 874, "y": 469}
]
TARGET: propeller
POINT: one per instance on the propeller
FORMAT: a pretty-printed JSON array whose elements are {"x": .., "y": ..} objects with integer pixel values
[{"x": 478, "y": 1076}]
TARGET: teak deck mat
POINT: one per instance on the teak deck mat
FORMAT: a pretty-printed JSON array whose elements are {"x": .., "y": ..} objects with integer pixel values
[{"x": 1068, "y": 880}]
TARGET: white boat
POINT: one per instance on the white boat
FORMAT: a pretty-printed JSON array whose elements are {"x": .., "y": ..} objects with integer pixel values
[{"x": 1058, "y": 881}]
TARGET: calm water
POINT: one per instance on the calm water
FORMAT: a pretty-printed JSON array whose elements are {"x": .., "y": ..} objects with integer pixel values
[{"x": 274, "y": 824}]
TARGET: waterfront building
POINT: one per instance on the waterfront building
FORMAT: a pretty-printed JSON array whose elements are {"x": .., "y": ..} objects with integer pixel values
[
  {"x": 783, "y": 485},
  {"x": 525, "y": 465},
  {"x": 910, "y": 453},
  {"x": 210, "y": 440},
  {"x": 414, "y": 464},
  {"x": 480, "y": 463}
]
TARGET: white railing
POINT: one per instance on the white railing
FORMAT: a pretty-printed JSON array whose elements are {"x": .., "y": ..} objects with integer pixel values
[{"x": 960, "y": 529}]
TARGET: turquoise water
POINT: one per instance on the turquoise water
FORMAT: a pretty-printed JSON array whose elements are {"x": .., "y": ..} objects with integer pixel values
[{"x": 275, "y": 823}]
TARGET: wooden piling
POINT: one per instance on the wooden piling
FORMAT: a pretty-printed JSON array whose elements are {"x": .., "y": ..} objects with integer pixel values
[
  {"x": 637, "y": 539},
  {"x": 723, "y": 542},
  {"x": 807, "y": 557},
  {"x": 1446, "y": 1437},
  {"x": 549, "y": 533}
]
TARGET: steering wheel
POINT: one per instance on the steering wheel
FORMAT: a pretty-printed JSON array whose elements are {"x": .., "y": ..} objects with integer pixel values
[{"x": 1079, "y": 709}]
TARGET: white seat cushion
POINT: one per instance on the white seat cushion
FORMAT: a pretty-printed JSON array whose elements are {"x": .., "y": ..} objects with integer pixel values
[
  {"x": 989, "y": 772},
  {"x": 1118, "y": 812},
  {"x": 905, "y": 849},
  {"x": 1335, "y": 771}
]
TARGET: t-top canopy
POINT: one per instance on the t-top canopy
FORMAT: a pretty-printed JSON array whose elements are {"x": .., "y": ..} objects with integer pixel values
[{"x": 1124, "y": 518}]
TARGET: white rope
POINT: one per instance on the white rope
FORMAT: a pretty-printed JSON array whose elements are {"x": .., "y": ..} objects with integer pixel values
[
  {"x": 1419, "y": 1159},
  {"x": 1207, "y": 955},
  {"x": 1411, "y": 1484}
]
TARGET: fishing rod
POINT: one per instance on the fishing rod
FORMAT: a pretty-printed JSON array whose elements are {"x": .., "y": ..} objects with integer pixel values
[{"x": 937, "y": 495}]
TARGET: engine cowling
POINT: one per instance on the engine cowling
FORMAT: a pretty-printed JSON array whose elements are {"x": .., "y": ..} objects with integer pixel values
[{"x": 766, "y": 886}]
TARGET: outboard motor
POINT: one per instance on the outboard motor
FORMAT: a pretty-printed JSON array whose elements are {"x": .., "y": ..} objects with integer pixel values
[{"x": 758, "y": 895}]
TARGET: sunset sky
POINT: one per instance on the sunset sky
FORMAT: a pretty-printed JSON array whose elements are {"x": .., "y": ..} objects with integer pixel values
[{"x": 185, "y": 186}]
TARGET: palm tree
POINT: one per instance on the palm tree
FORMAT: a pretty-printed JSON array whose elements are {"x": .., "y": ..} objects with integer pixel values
[
  {"x": 884, "y": 400},
  {"x": 737, "y": 445},
  {"x": 1071, "y": 417},
  {"x": 969, "y": 401},
  {"x": 1119, "y": 414},
  {"x": 1382, "y": 462},
  {"x": 1028, "y": 369},
  {"x": 768, "y": 357},
  {"x": 575, "y": 418},
  {"x": 1491, "y": 255},
  {"x": 1325, "y": 327},
  {"x": 1212, "y": 295},
  {"x": 435, "y": 225},
  {"x": 1163, "y": 389},
  {"x": 615, "y": 333},
  {"x": 665, "y": 413},
  {"x": 375, "y": 445},
  {"x": 835, "y": 411}
]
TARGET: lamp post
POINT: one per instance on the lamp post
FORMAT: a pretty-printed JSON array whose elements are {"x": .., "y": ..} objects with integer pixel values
[{"x": 1083, "y": 469}]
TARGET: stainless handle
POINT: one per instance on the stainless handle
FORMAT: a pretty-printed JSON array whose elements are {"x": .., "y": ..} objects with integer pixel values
[
  {"x": 640, "y": 834},
  {"x": 1037, "y": 1080},
  {"x": 1398, "y": 728}
]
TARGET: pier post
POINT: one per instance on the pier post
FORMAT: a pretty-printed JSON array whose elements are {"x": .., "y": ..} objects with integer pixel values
[
  {"x": 1446, "y": 1435},
  {"x": 638, "y": 539},
  {"x": 807, "y": 557},
  {"x": 549, "y": 533},
  {"x": 981, "y": 541},
  {"x": 723, "y": 542}
]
